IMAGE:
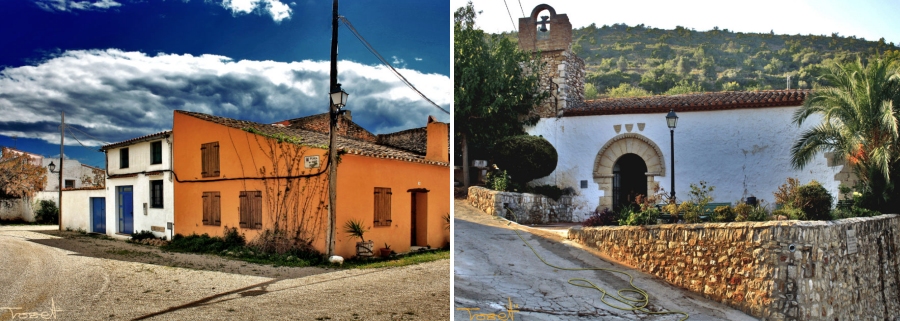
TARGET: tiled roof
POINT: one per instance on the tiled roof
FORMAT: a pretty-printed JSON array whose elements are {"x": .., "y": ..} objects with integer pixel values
[
  {"x": 321, "y": 123},
  {"x": 691, "y": 102},
  {"x": 137, "y": 140},
  {"x": 351, "y": 146}
]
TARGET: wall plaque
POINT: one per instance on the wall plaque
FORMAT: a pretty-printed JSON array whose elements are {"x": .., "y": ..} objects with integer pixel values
[
  {"x": 311, "y": 161},
  {"x": 158, "y": 229},
  {"x": 852, "y": 246}
]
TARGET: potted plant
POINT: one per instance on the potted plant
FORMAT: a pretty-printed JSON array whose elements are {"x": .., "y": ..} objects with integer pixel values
[
  {"x": 386, "y": 250},
  {"x": 356, "y": 229}
]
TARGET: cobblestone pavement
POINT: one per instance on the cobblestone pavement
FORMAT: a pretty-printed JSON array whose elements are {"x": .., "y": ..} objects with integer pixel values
[
  {"x": 38, "y": 278},
  {"x": 493, "y": 268}
]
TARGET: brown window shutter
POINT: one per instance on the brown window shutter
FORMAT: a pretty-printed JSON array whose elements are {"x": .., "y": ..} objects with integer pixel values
[
  {"x": 207, "y": 210},
  {"x": 216, "y": 208},
  {"x": 215, "y": 164},
  {"x": 244, "y": 209},
  {"x": 257, "y": 209},
  {"x": 382, "y": 206},
  {"x": 204, "y": 159}
]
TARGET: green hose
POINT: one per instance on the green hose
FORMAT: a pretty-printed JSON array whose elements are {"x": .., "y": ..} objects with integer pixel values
[{"x": 630, "y": 304}]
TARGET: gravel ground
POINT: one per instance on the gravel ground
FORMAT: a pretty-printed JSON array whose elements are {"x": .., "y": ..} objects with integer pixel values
[{"x": 83, "y": 278}]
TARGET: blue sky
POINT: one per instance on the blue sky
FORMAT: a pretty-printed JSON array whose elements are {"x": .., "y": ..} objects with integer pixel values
[
  {"x": 118, "y": 68},
  {"x": 869, "y": 19}
]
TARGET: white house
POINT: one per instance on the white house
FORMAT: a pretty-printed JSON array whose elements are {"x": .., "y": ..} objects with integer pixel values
[
  {"x": 739, "y": 142},
  {"x": 139, "y": 186}
]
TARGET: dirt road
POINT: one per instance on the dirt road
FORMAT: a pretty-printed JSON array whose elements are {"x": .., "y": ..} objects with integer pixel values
[
  {"x": 39, "y": 278},
  {"x": 494, "y": 269}
]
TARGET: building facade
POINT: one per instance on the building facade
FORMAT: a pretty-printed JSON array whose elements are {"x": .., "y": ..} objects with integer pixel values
[{"x": 139, "y": 187}]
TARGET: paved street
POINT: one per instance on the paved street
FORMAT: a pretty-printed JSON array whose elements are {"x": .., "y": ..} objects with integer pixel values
[
  {"x": 493, "y": 268},
  {"x": 37, "y": 278}
]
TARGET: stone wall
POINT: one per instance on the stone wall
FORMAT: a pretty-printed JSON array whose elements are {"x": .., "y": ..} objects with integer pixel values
[
  {"x": 414, "y": 140},
  {"x": 562, "y": 76},
  {"x": 527, "y": 208},
  {"x": 778, "y": 270}
]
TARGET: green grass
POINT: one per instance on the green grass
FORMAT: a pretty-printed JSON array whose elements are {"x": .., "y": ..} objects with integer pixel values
[{"x": 410, "y": 259}]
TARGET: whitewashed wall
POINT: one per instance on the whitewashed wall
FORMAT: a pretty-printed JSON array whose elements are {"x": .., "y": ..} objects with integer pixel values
[
  {"x": 139, "y": 163},
  {"x": 76, "y": 208},
  {"x": 742, "y": 152}
]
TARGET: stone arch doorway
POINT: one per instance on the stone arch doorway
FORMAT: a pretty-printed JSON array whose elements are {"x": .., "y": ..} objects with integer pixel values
[
  {"x": 617, "y": 147},
  {"x": 629, "y": 180}
]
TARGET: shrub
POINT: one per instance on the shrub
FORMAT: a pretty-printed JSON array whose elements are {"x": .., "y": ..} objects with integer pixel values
[
  {"x": 498, "y": 181},
  {"x": 790, "y": 212},
  {"x": 853, "y": 211},
  {"x": 758, "y": 214},
  {"x": 690, "y": 211},
  {"x": 815, "y": 201},
  {"x": 601, "y": 218},
  {"x": 232, "y": 238},
  {"x": 47, "y": 213},
  {"x": 525, "y": 157},
  {"x": 742, "y": 212},
  {"x": 631, "y": 216},
  {"x": 722, "y": 214}
]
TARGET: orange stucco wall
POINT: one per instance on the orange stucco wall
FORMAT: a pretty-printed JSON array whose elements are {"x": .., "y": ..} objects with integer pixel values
[
  {"x": 241, "y": 155},
  {"x": 357, "y": 178}
]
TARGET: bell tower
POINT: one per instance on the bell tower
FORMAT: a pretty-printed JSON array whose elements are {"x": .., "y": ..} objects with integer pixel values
[{"x": 550, "y": 34}]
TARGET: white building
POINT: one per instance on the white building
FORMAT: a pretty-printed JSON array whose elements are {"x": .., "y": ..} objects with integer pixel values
[
  {"x": 739, "y": 142},
  {"x": 139, "y": 186}
]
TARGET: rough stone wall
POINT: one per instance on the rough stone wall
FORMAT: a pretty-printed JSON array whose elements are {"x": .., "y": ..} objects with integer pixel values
[
  {"x": 320, "y": 123},
  {"x": 414, "y": 140},
  {"x": 527, "y": 208},
  {"x": 778, "y": 270},
  {"x": 562, "y": 76}
]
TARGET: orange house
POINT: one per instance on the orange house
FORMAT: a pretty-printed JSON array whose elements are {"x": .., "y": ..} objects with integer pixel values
[{"x": 263, "y": 178}]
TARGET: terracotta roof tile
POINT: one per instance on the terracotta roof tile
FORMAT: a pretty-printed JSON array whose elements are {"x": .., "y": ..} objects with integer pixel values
[
  {"x": 691, "y": 102},
  {"x": 351, "y": 146},
  {"x": 137, "y": 140}
]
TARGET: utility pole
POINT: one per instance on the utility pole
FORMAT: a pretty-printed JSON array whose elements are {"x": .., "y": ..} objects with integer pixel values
[
  {"x": 62, "y": 138},
  {"x": 332, "y": 141}
]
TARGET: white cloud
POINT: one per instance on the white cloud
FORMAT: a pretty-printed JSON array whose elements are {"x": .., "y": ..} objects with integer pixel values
[
  {"x": 69, "y": 5},
  {"x": 277, "y": 9},
  {"x": 418, "y": 59},
  {"x": 398, "y": 62},
  {"x": 116, "y": 95}
]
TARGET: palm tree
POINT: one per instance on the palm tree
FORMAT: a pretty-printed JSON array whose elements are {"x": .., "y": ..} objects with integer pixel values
[{"x": 860, "y": 112}]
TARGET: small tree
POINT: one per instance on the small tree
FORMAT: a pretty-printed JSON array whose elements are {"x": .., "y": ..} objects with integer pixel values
[
  {"x": 525, "y": 157},
  {"x": 19, "y": 177}
]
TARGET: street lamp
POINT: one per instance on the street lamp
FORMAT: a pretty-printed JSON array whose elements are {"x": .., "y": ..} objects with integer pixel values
[
  {"x": 671, "y": 120},
  {"x": 339, "y": 97},
  {"x": 52, "y": 167}
]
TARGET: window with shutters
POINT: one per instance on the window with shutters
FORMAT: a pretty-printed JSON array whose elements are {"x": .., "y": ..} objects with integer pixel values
[
  {"x": 251, "y": 209},
  {"x": 123, "y": 158},
  {"x": 209, "y": 157},
  {"x": 156, "y": 194},
  {"x": 156, "y": 153},
  {"x": 212, "y": 214},
  {"x": 382, "y": 206}
]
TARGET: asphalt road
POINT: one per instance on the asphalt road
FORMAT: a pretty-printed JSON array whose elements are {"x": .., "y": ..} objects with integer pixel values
[
  {"x": 36, "y": 278},
  {"x": 495, "y": 272}
]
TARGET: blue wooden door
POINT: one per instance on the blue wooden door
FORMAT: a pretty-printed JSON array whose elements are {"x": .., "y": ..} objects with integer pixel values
[
  {"x": 126, "y": 209},
  {"x": 98, "y": 214}
]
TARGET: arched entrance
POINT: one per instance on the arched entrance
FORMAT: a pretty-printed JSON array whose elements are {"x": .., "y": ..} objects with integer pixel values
[
  {"x": 629, "y": 180},
  {"x": 623, "y": 151}
]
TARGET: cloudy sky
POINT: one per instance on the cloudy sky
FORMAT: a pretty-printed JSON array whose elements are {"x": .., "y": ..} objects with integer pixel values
[
  {"x": 118, "y": 68},
  {"x": 870, "y": 19}
]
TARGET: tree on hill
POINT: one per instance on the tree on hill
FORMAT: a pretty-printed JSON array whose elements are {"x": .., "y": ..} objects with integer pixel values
[
  {"x": 860, "y": 112},
  {"x": 496, "y": 86}
]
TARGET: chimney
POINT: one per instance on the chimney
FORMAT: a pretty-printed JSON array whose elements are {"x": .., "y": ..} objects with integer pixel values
[
  {"x": 438, "y": 145},
  {"x": 347, "y": 115}
]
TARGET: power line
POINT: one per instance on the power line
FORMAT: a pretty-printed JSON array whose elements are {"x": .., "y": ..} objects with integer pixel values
[
  {"x": 520, "y": 8},
  {"x": 384, "y": 62},
  {"x": 510, "y": 15},
  {"x": 80, "y": 143},
  {"x": 88, "y": 135}
]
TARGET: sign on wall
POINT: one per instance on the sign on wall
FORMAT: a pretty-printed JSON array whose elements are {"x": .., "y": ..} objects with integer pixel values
[
  {"x": 311, "y": 161},
  {"x": 852, "y": 246}
]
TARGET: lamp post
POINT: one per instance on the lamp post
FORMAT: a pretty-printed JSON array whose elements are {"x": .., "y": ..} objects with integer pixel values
[
  {"x": 338, "y": 98},
  {"x": 671, "y": 120}
]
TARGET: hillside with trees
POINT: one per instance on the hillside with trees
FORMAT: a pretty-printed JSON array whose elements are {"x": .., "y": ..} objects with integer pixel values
[{"x": 623, "y": 61}]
